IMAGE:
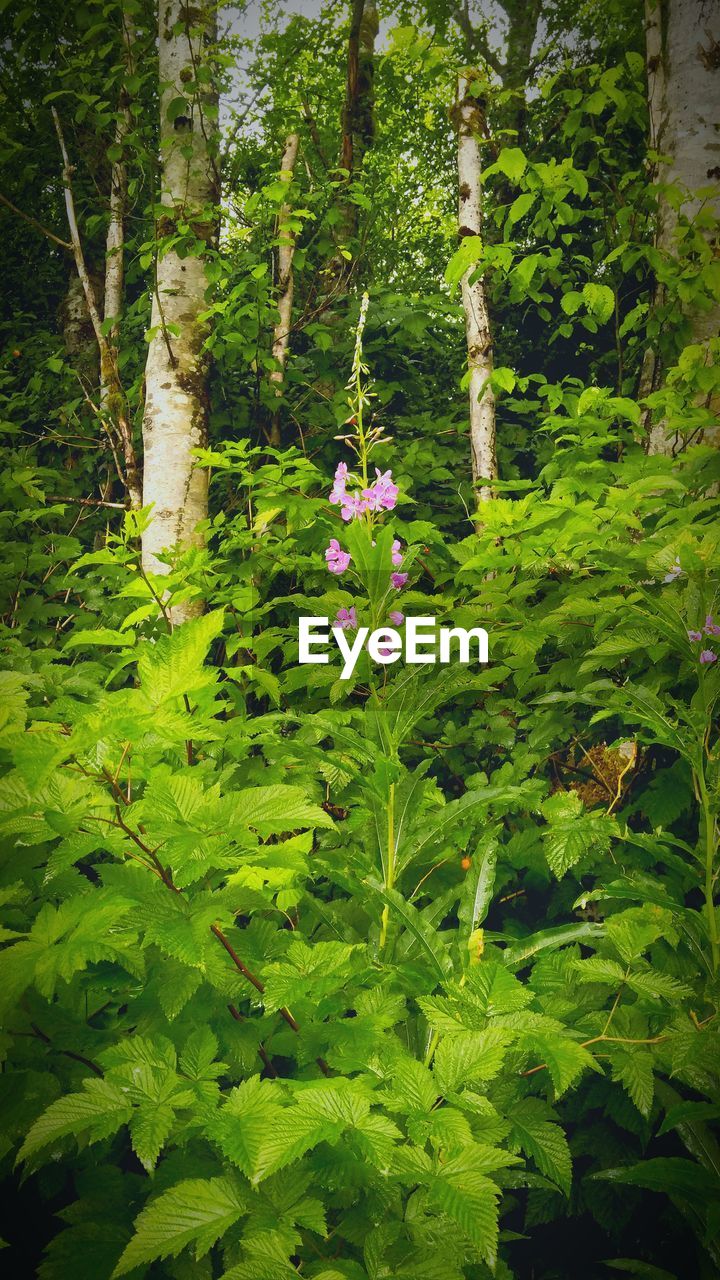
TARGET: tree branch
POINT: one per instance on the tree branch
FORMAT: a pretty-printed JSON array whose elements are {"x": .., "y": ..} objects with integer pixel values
[
  {"x": 77, "y": 248},
  {"x": 478, "y": 43},
  {"x": 113, "y": 395},
  {"x": 27, "y": 217}
]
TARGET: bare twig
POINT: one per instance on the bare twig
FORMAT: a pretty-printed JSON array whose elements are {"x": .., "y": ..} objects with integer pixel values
[
  {"x": 27, "y": 217},
  {"x": 112, "y": 390}
]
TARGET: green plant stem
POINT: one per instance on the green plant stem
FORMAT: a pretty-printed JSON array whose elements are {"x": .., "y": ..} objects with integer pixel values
[
  {"x": 390, "y": 862},
  {"x": 603, "y": 1039},
  {"x": 708, "y": 823}
]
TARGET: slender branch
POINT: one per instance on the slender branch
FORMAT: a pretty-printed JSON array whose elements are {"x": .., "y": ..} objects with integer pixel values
[
  {"x": 27, "y": 217},
  {"x": 262, "y": 1053},
  {"x": 215, "y": 929},
  {"x": 260, "y": 987},
  {"x": 86, "y": 502},
  {"x": 477, "y": 42},
  {"x": 603, "y": 1039},
  {"x": 67, "y": 1053},
  {"x": 77, "y": 248},
  {"x": 113, "y": 394}
]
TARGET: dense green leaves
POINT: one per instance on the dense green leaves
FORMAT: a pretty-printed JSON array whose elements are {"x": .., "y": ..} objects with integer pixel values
[{"x": 415, "y": 974}]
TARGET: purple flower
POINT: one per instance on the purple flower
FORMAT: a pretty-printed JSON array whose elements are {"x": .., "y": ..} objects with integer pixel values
[
  {"x": 396, "y": 553},
  {"x": 674, "y": 572},
  {"x": 347, "y": 618},
  {"x": 694, "y": 636},
  {"x": 352, "y": 506},
  {"x": 382, "y": 494},
  {"x": 338, "y": 491},
  {"x": 711, "y": 628},
  {"x": 707, "y": 656},
  {"x": 396, "y": 617},
  {"x": 337, "y": 559},
  {"x": 398, "y": 580}
]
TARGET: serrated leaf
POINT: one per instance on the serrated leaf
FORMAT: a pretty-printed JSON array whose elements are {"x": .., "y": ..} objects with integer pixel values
[
  {"x": 101, "y": 1108},
  {"x": 544, "y": 1141},
  {"x": 564, "y": 1059},
  {"x": 197, "y": 1211},
  {"x": 470, "y": 1200},
  {"x": 670, "y": 1175},
  {"x": 600, "y": 301},
  {"x": 634, "y": 1071},
  {"x": 469, "y": 1056}
]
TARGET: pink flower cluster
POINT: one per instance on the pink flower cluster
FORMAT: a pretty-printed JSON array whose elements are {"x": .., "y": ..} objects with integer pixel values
[
  {"x": 710, "y": 628},
  {"x": 347, "y": 618},
  {"x": 381, "y": 495},
  {"x": 337, "y": 559},
  {"x": 398, "y": 579}
]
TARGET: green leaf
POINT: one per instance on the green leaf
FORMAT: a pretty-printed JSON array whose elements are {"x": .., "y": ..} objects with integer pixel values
[
  {"x": 177, "y": 107},
  {"x": 100, "y": 1109},
  {"x": 564, "y": 1059},
  {"x": 633, "y": 1068},
  {"x": 470, "y": 1200},
  {"x": 100, "y": 636},
  {"x": 469, "y": 1056},
  {"x": 503, "y": 379},
  {"x": 513, "y": 162},
  {"x": 688, "y": 1112},
  {"x": 519, "y": 207},
  {"x": 670, "y": 1175},
  {"x": 643, "y": 1269},
  {"x": 197, "y": 1211},
  {"x": 172, "y": 666},
  {"x": 479, "y": 885},
  {"x": 571, "y": 302},
  {"x": 600, "y": 301},
  {"x": 545, "y": 1142},
  {"x": 427, "y": 938},
  {"x": 469, "y": 253},
  {"x": 277, "y": 808},
  {"x": 550, "y": 939},
  {"x": 572, "y": 832}
]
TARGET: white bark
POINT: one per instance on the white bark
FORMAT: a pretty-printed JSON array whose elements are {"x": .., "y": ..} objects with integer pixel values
[
  {"x": 112, "y": 396},
  {"x": 114, "y": 399},
  {"x": 683, "y": 46},
  {"x": 474, "y": 298},
  {"x": 285, "y": 280},
  {"x": 77, "y": 330},
  {"x": 175, "y": 420},
  {"x": 115, "y": 239}
]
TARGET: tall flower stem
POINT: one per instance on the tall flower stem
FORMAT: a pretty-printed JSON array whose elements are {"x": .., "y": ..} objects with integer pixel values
[
  {"x": 356, "y": 385},
  {"x": 708, "y": 831},
  {"x": 389, "y": 861}
]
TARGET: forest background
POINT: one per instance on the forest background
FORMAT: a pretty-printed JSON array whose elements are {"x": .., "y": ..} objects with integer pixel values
[{"x": 416, "y": 974}]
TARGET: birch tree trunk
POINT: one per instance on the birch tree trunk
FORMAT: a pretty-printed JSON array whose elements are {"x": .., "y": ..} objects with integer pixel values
[
  {"x": 115, "y": 239},
  {"x": 474, "y": 299},
  {"x": 285, "y": 282},
  {"x": 115, "y": 402},
  {"x": 683, "y": 60},
  {"x": 176, "y": 373},
  {"x": 523, "y": 17},
  {"x": 112, "y": 395}
]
